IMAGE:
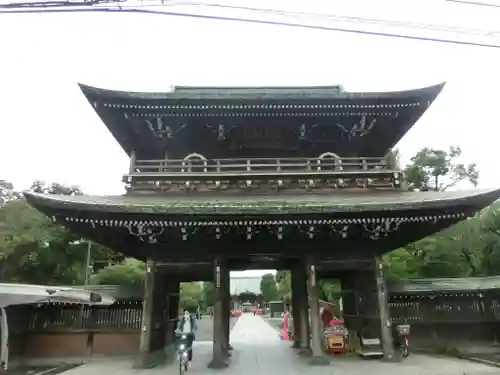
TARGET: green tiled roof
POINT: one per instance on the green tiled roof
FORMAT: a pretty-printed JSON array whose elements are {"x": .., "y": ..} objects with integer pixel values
[
  {"x": 257, "y": 93},
  {"x": 336, "y": 202},
  {"x": 463, "y": 284}
]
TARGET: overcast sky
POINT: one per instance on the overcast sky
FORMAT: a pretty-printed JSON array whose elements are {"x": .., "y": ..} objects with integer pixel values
[{"x": 50, "y": 132}]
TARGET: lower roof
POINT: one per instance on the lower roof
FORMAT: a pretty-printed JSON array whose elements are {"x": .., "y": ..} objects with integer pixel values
[
  {"x": 336, "y": 202},
  {"x": 443, "y": 285}
]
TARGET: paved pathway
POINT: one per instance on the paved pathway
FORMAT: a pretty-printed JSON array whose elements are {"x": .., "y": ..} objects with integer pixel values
[
  {"x": 259, "y": 351},
  {"x": 206, "y": 328}
]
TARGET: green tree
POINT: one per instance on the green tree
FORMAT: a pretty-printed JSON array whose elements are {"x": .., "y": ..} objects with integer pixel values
[
  {"x": 284, "y": 281},
  {"x": 432, "y": 169},
  {"x": 7, "y": 192},
  {"x": 41, "y": 187},
  {"x": 328, "y": 290},
  {"x": 208, "y": 294},
  {"x": 268, "y": 287},
  {"x": 129, "y": 273},
  {"x": 454, "y": 252},
  {"x": 191, "y": 295},
  {"x": 489, "y": 233},
  {"x": 33, "y": 249}
]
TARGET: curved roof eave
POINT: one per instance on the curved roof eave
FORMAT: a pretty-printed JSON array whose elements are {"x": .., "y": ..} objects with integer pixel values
[
  {"x": 342, "y": 203},
  {"x": 224, "y": 93},
  {"x": 17, "y": 294}
]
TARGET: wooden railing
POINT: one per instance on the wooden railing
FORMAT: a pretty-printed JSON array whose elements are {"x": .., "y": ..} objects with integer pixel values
[
  {"x": 197, "y": 169},
  {"x": 241, "y": 167}
]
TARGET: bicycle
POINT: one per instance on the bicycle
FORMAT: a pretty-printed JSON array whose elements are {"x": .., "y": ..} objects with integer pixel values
[{"x": 183, "y": 354}]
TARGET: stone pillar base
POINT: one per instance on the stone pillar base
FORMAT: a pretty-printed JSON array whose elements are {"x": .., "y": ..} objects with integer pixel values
[
  {"x": 149, "y": 360},
  {"x": 319, "y": 361},
  {"x": 305, "y": 352},
  {"x": 392, "y": 358},
  {"x": 217, "y": 364}
]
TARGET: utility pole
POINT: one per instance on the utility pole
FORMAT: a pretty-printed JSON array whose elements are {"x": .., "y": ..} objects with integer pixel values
[{"x": 87, "y": 263}]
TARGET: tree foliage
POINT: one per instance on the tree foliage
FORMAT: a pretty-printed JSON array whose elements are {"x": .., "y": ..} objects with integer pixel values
[
  {"x": 208, "y": 294},
  {"x": 33, "y": 249},
  {"x": 439, "y": 170},
  {"x": 268, "y": 287},
  {"x": 129, "y": 273},
  {"x": 464, "y": 249},
  {"x": 191, "y": 295}
]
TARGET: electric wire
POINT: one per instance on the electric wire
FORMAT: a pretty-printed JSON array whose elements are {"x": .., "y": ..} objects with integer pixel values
[
  {"x": 10, "y": 8},
  {"x": 55, "y": 4},
  {"x": 465, "y": 2},
  {"x": 255, "y": 21},
  {"x": 334, "y": 17},
  {"x": 123, "y": 4}
]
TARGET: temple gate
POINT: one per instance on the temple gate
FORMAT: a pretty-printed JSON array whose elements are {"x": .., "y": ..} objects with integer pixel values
[{"x": 244, "y": 178}]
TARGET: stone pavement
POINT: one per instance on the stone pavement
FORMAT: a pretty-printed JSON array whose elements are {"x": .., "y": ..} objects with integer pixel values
[
  {"x": 206, "y": 328},
  {"x": 259, "y": 351}
]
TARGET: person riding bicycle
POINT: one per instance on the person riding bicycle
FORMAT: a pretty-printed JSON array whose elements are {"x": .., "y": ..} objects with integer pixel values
[{"x": 187, "y": 326}]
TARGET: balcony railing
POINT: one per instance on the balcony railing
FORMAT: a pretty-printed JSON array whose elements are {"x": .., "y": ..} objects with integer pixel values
[
  {"x": 210, "y": 168},
  {"x": 198, "y": 173}
]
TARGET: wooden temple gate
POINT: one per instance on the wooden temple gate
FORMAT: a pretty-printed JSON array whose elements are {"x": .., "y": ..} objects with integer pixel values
[{"x": 230, "y": 179}]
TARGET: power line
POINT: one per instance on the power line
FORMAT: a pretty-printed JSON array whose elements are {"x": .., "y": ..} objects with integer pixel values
[
  {"x": 334, "y": 17},
  {"x": 55, "y": 4},
  {"x": 137, "y": 9},
  {"x": 465, "y": 2},
  {"x": 255, "y": 21},
  {"x": 123, "y": 4}
]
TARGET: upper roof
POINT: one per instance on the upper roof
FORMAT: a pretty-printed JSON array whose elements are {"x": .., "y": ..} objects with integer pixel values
[
  {"x": 292, "y": 121},
  {"x": 256, "y": 93},
  {"x": 341, "y": 202}
]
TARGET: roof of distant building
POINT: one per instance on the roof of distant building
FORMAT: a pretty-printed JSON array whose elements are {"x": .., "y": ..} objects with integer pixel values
[{"x": 249, "y": 284}]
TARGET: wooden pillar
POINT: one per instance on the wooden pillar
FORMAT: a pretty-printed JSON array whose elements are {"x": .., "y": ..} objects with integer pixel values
[
  {"x": 172, "y": 319},
  {"x": 316, "y": 339},
  {"x": 133, "y": 159},
  {"x": 218, "y": 357},
  {"x": 152, "y": 340},
  {"x": 366, "y": 308},
  {"x": 296, "y": 281},
  {"x": 384, "y": 316},
  {"x": 303, "y": 307},
  {"x": 225, "y": 306}
]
